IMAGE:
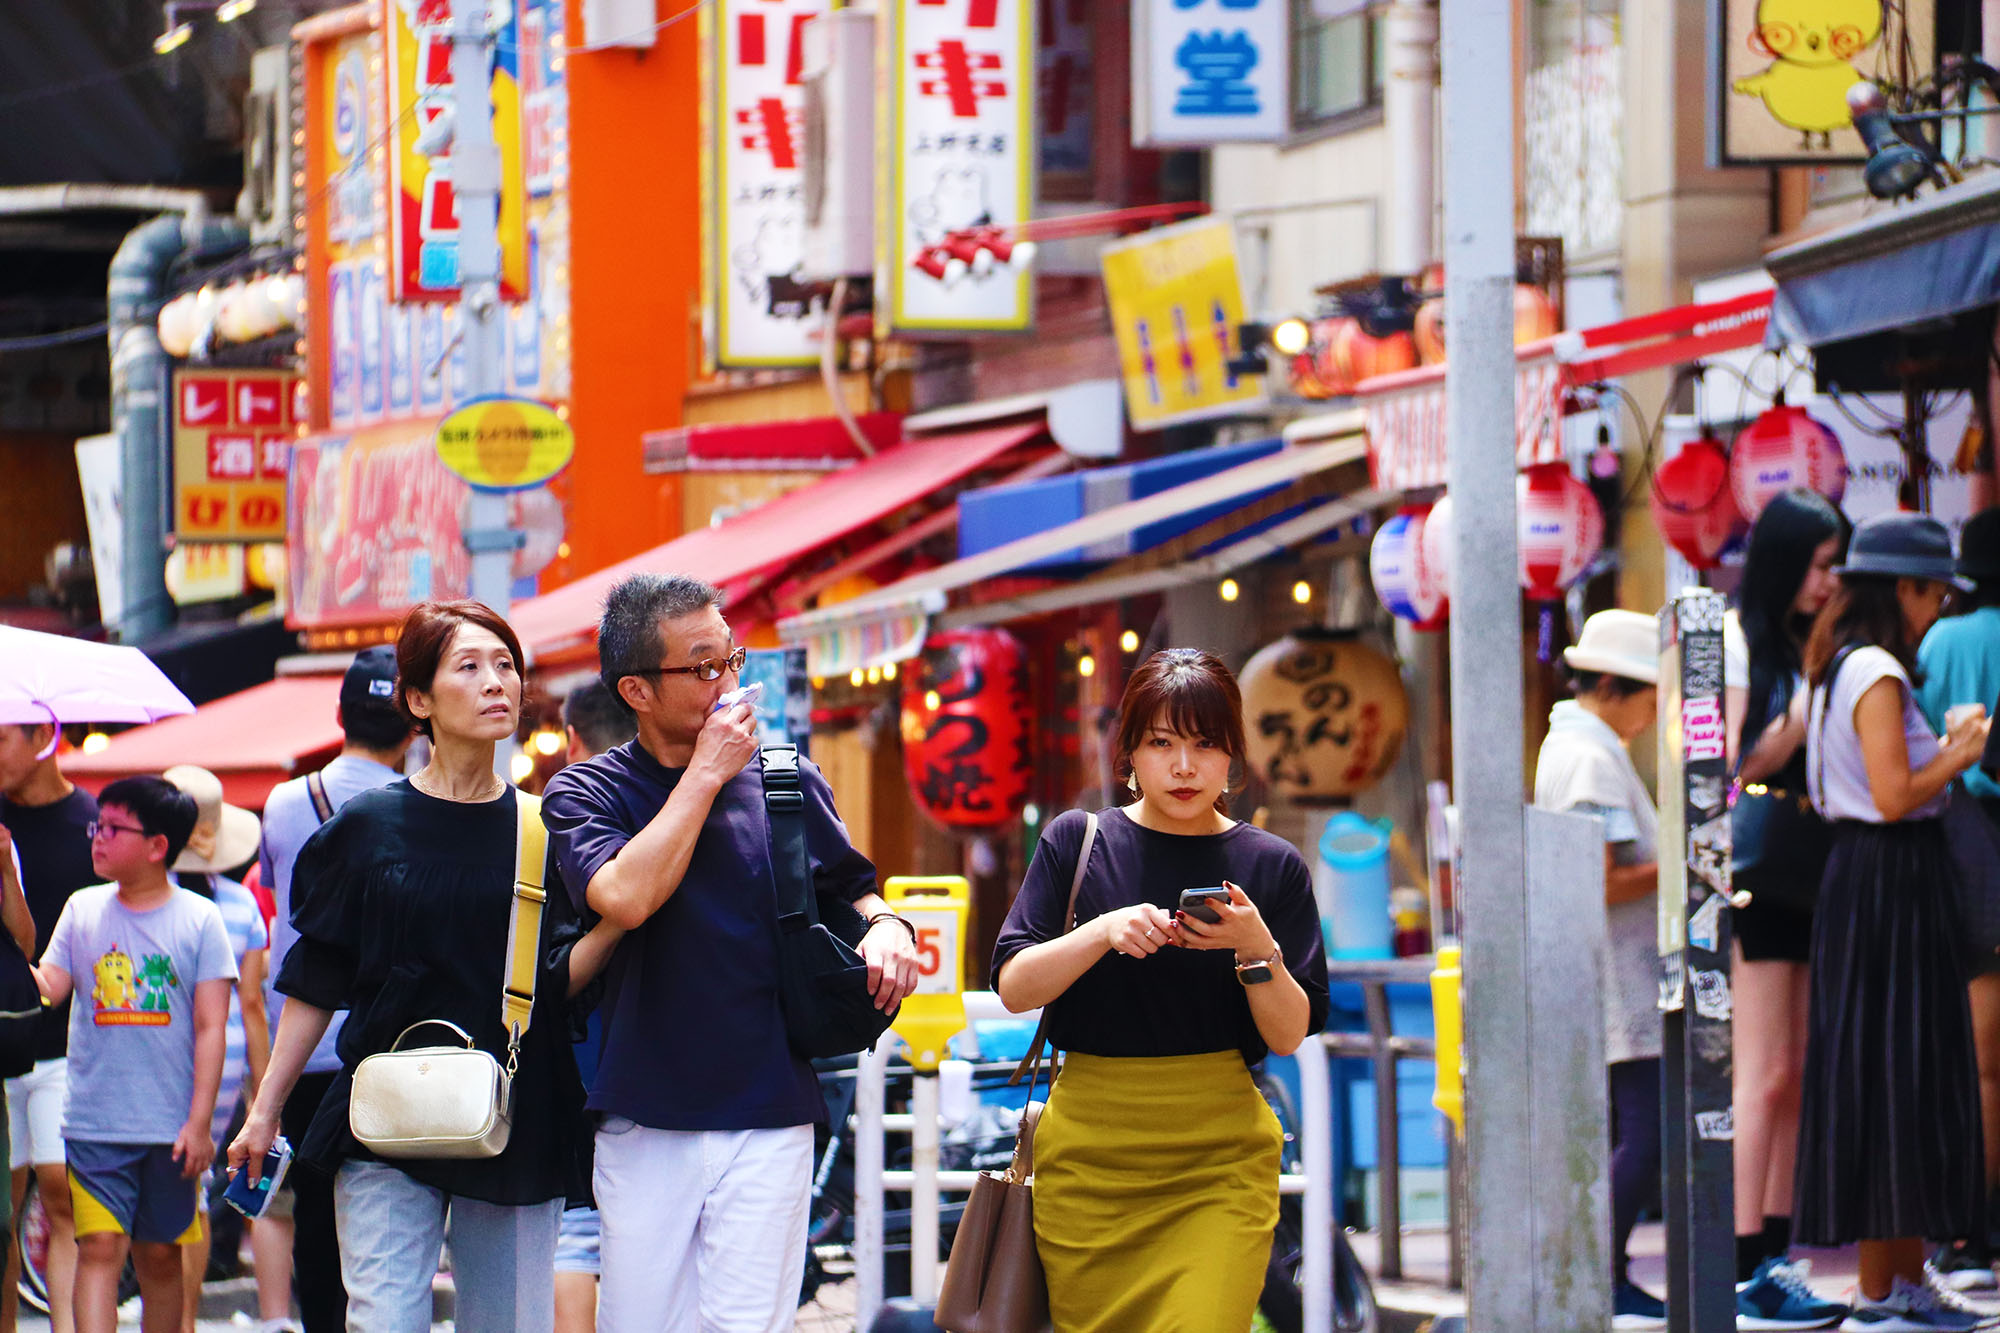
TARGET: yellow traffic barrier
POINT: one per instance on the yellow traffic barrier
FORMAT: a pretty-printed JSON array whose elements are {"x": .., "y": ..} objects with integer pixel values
[
  {"x": 1448, "y": 1012},
  {"x": 936, "y": 907}
]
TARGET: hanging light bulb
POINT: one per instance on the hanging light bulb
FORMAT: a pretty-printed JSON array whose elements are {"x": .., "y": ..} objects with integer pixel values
[
  {"x": 1086, "y": 665},
  {"x": 933, "y": 700},
  {"x": 888, "y": 671},
  {"x": 548, "y": 742},
  {"x": 522, "y": 765},
  {"x": 855, "y": 677},
  {"x": 94, "y": 742},
  {"x": 1129, "y": 641},
  {"x": 1228, "y": 590},
  {"x": 1302, "y": 592}
]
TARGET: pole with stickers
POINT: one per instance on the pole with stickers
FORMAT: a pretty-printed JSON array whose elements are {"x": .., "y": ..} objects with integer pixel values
[{"x": 1694, "y": 845}]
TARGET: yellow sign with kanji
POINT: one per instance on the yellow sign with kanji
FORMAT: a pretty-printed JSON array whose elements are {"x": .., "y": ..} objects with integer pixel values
[{"x": 1176, "y": 302}]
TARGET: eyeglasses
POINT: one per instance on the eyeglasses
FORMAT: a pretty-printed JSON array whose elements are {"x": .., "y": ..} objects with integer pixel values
[
  {"x": 709, "y": 668},
  {"x": 106, "y": 828}
]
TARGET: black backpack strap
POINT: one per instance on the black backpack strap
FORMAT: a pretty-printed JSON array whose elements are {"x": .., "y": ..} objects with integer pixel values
[
  {"x": 784, "y": 810},
  {"x": 316, "y": 791}
]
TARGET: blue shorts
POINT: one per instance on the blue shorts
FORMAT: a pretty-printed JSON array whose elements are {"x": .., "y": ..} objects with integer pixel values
[
  {"x": 131, "y": 1189},
  {"x": 577, "y": 1242}
]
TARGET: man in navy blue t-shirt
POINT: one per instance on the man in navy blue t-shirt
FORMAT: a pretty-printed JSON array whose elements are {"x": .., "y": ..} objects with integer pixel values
[{"x": 704, "y": 1143}]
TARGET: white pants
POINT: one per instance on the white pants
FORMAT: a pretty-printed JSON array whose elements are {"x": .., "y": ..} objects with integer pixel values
[{"x": 704, "y": 1231}]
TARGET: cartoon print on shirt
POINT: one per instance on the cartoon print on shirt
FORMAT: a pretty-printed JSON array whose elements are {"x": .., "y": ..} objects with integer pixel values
[{"x": 126, "y": 996}]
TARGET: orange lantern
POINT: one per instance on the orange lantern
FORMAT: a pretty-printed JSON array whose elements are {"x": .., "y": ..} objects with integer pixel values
[
  {"x": 1534, "y": 315},
  {"x": 1429, "y": 332},
  {"x": 1358, "y": 356},
  {"x": 1323, "y": 714},
  {"x": 968, "y": 728}
]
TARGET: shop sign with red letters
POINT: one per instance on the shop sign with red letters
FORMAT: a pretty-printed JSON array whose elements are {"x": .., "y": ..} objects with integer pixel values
[
  {"x": 233, "y": 431},
  {"x": 957, "y": 171},
  {"x": 757, "y": 310}
]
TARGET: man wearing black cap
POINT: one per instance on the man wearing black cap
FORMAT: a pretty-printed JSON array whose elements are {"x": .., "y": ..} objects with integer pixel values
[{"x": 377, "y": 737}]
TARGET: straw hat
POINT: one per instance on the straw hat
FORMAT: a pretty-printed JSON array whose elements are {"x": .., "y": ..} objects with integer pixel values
[
  {"x": 225, "y": 835},
  {"x": 1618, "y": 643}
]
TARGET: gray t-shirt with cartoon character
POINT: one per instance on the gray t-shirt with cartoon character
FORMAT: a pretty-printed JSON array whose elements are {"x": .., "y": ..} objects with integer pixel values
[{"x": 131, "y": 1026}]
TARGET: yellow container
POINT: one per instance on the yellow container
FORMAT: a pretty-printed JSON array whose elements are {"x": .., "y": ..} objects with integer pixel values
[{"x": 1448, "y": 1012}]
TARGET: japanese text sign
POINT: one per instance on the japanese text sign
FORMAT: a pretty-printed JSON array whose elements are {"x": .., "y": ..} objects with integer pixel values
[
  {"x": 757, "y": 310},
  {"x": 1175, "y": 302},
  {"x": 423, "y": 210},
  {"x": 956, "y": 174},
  {"x": 232, "y": 442},
  {"x": 1209, "y": 71}
]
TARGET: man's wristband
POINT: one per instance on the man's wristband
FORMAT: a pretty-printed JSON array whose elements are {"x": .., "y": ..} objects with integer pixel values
[{"x": 891, "y": 916}]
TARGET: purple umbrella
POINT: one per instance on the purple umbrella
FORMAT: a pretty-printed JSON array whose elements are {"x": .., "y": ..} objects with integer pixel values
[{"x": 54, "y": 678}]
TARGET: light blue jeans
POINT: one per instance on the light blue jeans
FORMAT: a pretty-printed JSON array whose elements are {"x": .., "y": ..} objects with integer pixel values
[{"x": 392, "y": 1231}]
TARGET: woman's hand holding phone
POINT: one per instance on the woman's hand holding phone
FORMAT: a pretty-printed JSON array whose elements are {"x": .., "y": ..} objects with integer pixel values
[
  {"x": 1240, "y": 927},
  {"x": 1137, "y": 931}
]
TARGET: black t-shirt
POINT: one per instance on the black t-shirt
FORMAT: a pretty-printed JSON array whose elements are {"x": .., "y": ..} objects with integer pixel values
[
  {"x": 54, "y": 843},
  {"x": 693, "y": 1035},
  {"x": 402, "y": 903},
  {"x": 1176, "y": 1001}
]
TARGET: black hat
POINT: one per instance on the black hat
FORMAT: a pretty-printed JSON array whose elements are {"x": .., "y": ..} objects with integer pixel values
[
  {"x": 370, "y": 682},
  {"x": 1979, "y": 545},
  {"x": 1904, "y": 546}
]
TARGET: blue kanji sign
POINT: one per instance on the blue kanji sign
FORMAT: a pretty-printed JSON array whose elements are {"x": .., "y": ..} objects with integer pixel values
[{"x": 1210, "y": 71}]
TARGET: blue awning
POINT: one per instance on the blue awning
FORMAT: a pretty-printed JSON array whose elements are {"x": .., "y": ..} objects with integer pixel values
[
  {"x": 1927, "y": 260},
  {"x": 993, "y": 516}
]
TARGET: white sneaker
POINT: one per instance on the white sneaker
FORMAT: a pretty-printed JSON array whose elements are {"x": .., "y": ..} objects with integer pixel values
[
  {"x": 1910, "y": 1309},
  {"x": 1951, "y": 1271}
]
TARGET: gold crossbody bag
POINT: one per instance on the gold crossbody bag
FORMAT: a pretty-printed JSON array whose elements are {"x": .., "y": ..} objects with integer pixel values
[{"x": 457, "y": 1100}]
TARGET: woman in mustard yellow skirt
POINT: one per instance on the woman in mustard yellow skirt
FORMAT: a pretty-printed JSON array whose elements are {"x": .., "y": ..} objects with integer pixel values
[{"x": 1156, "y": 1161}]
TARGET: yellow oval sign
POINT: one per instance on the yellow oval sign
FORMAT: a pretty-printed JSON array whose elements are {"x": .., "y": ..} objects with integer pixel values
[{"x": 505, "y": 444}]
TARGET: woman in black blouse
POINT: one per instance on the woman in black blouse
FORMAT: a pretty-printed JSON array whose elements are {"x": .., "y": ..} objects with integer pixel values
[
  {"x": 1156, "y": 1161},
  {"x": 402, "y": 902}
]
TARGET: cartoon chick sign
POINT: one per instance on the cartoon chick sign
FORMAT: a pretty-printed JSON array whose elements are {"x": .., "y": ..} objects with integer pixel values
[{"x": 1785, "y": 67}]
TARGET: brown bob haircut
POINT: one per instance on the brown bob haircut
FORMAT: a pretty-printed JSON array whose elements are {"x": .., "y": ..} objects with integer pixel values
[
  {"x": 425, "y": 636},
  {"x": 1188, "y": 690}
]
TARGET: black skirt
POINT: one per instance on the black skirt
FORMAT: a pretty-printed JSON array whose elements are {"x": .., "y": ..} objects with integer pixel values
[{"x": 1889, "y": 1131}]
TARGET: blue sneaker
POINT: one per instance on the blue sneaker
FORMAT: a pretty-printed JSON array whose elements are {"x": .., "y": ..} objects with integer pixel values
[
  {"x": 1635, "y": 1308},
  {"x": 1776, "y": 1297}
]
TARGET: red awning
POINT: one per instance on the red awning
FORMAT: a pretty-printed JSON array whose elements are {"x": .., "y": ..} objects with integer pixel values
[
  {"x": 775, "y": 532},
  {"x": 252, "y": 741}
]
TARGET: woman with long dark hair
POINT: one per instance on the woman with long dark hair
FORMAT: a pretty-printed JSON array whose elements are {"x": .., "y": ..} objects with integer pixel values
[
  {"x": 1156, "y": 1161},
  {"x": 1889, "y": 1130},
  {"x": 1960, "y": 658},
  {"x": 1781, "y": 853},
  {"x": 404, "y": 903}
]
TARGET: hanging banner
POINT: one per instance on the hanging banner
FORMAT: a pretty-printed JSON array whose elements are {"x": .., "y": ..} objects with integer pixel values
[
  {"x": 1068, "y": 74},
  {"x": 1175, "y": 301},
  {"x": 423, "y": 210},
  {"x": 956, "y": 166},
  {"x": 1209, "y": 71},
  {"x": 1780, "y": 74},
  {"x": 755, "y": 309},
  {"x": 232, "y": 437},
  {"x": 374, "y": 526}
]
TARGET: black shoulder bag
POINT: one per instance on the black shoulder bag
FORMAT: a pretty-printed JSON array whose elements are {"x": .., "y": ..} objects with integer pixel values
[
  {"x": 822, "y": 981},
  {"x": 1776, "y": 834}
]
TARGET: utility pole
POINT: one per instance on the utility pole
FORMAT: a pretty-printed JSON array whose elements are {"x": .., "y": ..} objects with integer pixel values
[{"x": 475, "y": 178}]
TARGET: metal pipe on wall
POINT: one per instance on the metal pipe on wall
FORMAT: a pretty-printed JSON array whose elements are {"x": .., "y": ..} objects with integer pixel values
[{"x": 1409, "y": 111}]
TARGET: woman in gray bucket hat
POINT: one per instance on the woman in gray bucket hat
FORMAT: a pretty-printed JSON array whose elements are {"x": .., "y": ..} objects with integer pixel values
[{"x": 1890, "y": 1143}]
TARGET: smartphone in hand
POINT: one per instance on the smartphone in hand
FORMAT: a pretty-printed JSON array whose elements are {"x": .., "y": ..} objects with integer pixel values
[
  {"x": 1199, "y": 904},
  {"x": 253, "y": 1201}
]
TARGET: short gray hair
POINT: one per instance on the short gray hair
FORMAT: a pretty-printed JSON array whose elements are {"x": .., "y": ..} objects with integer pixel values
[{"x": 628, "y": 634}]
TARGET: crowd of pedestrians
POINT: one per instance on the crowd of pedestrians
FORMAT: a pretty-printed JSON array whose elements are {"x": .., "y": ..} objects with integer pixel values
[{"x": 1866, "y": 997}]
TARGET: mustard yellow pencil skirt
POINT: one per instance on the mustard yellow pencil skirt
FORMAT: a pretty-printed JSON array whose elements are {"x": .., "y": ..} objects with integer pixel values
[{"x": 1156, "y": 1193}]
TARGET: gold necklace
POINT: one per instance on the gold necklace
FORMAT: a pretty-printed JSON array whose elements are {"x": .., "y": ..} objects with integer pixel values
[{"x": 431, "y": 788}]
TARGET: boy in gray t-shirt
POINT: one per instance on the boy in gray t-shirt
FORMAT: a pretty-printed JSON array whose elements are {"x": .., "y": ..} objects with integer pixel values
[{"x": 151, "y": 968}]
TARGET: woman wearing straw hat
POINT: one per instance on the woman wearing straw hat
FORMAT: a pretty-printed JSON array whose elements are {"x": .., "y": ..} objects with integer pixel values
[
  {"x": 1584, "y": 768},
  {"x": 225, "y": 838},
  {"x": 1889, "y": 1129}
]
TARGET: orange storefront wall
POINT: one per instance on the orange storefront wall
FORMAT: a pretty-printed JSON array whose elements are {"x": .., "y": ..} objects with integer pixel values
[{"x": 635, "y": 269}]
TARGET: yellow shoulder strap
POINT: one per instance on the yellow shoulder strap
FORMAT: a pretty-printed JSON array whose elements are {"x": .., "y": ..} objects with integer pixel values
[{"x": 524, "y": 924}]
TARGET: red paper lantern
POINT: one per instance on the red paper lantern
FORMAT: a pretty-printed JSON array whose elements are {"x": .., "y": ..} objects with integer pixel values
[
  {"x": 1692, "y": 504},
  {"x": 1560, "y": 528},
  {"x": 968, "y": 728},
  {"x": 1783, "y": 448}
]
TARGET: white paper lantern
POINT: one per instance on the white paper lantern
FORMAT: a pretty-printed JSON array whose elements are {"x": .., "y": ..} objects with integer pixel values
[
  {"x": 1400, "y": 567},
  {"x": 1783, "y": 448},
  {"x": 1436, "y": 539},
  {"x": 176, "y": 326}
]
